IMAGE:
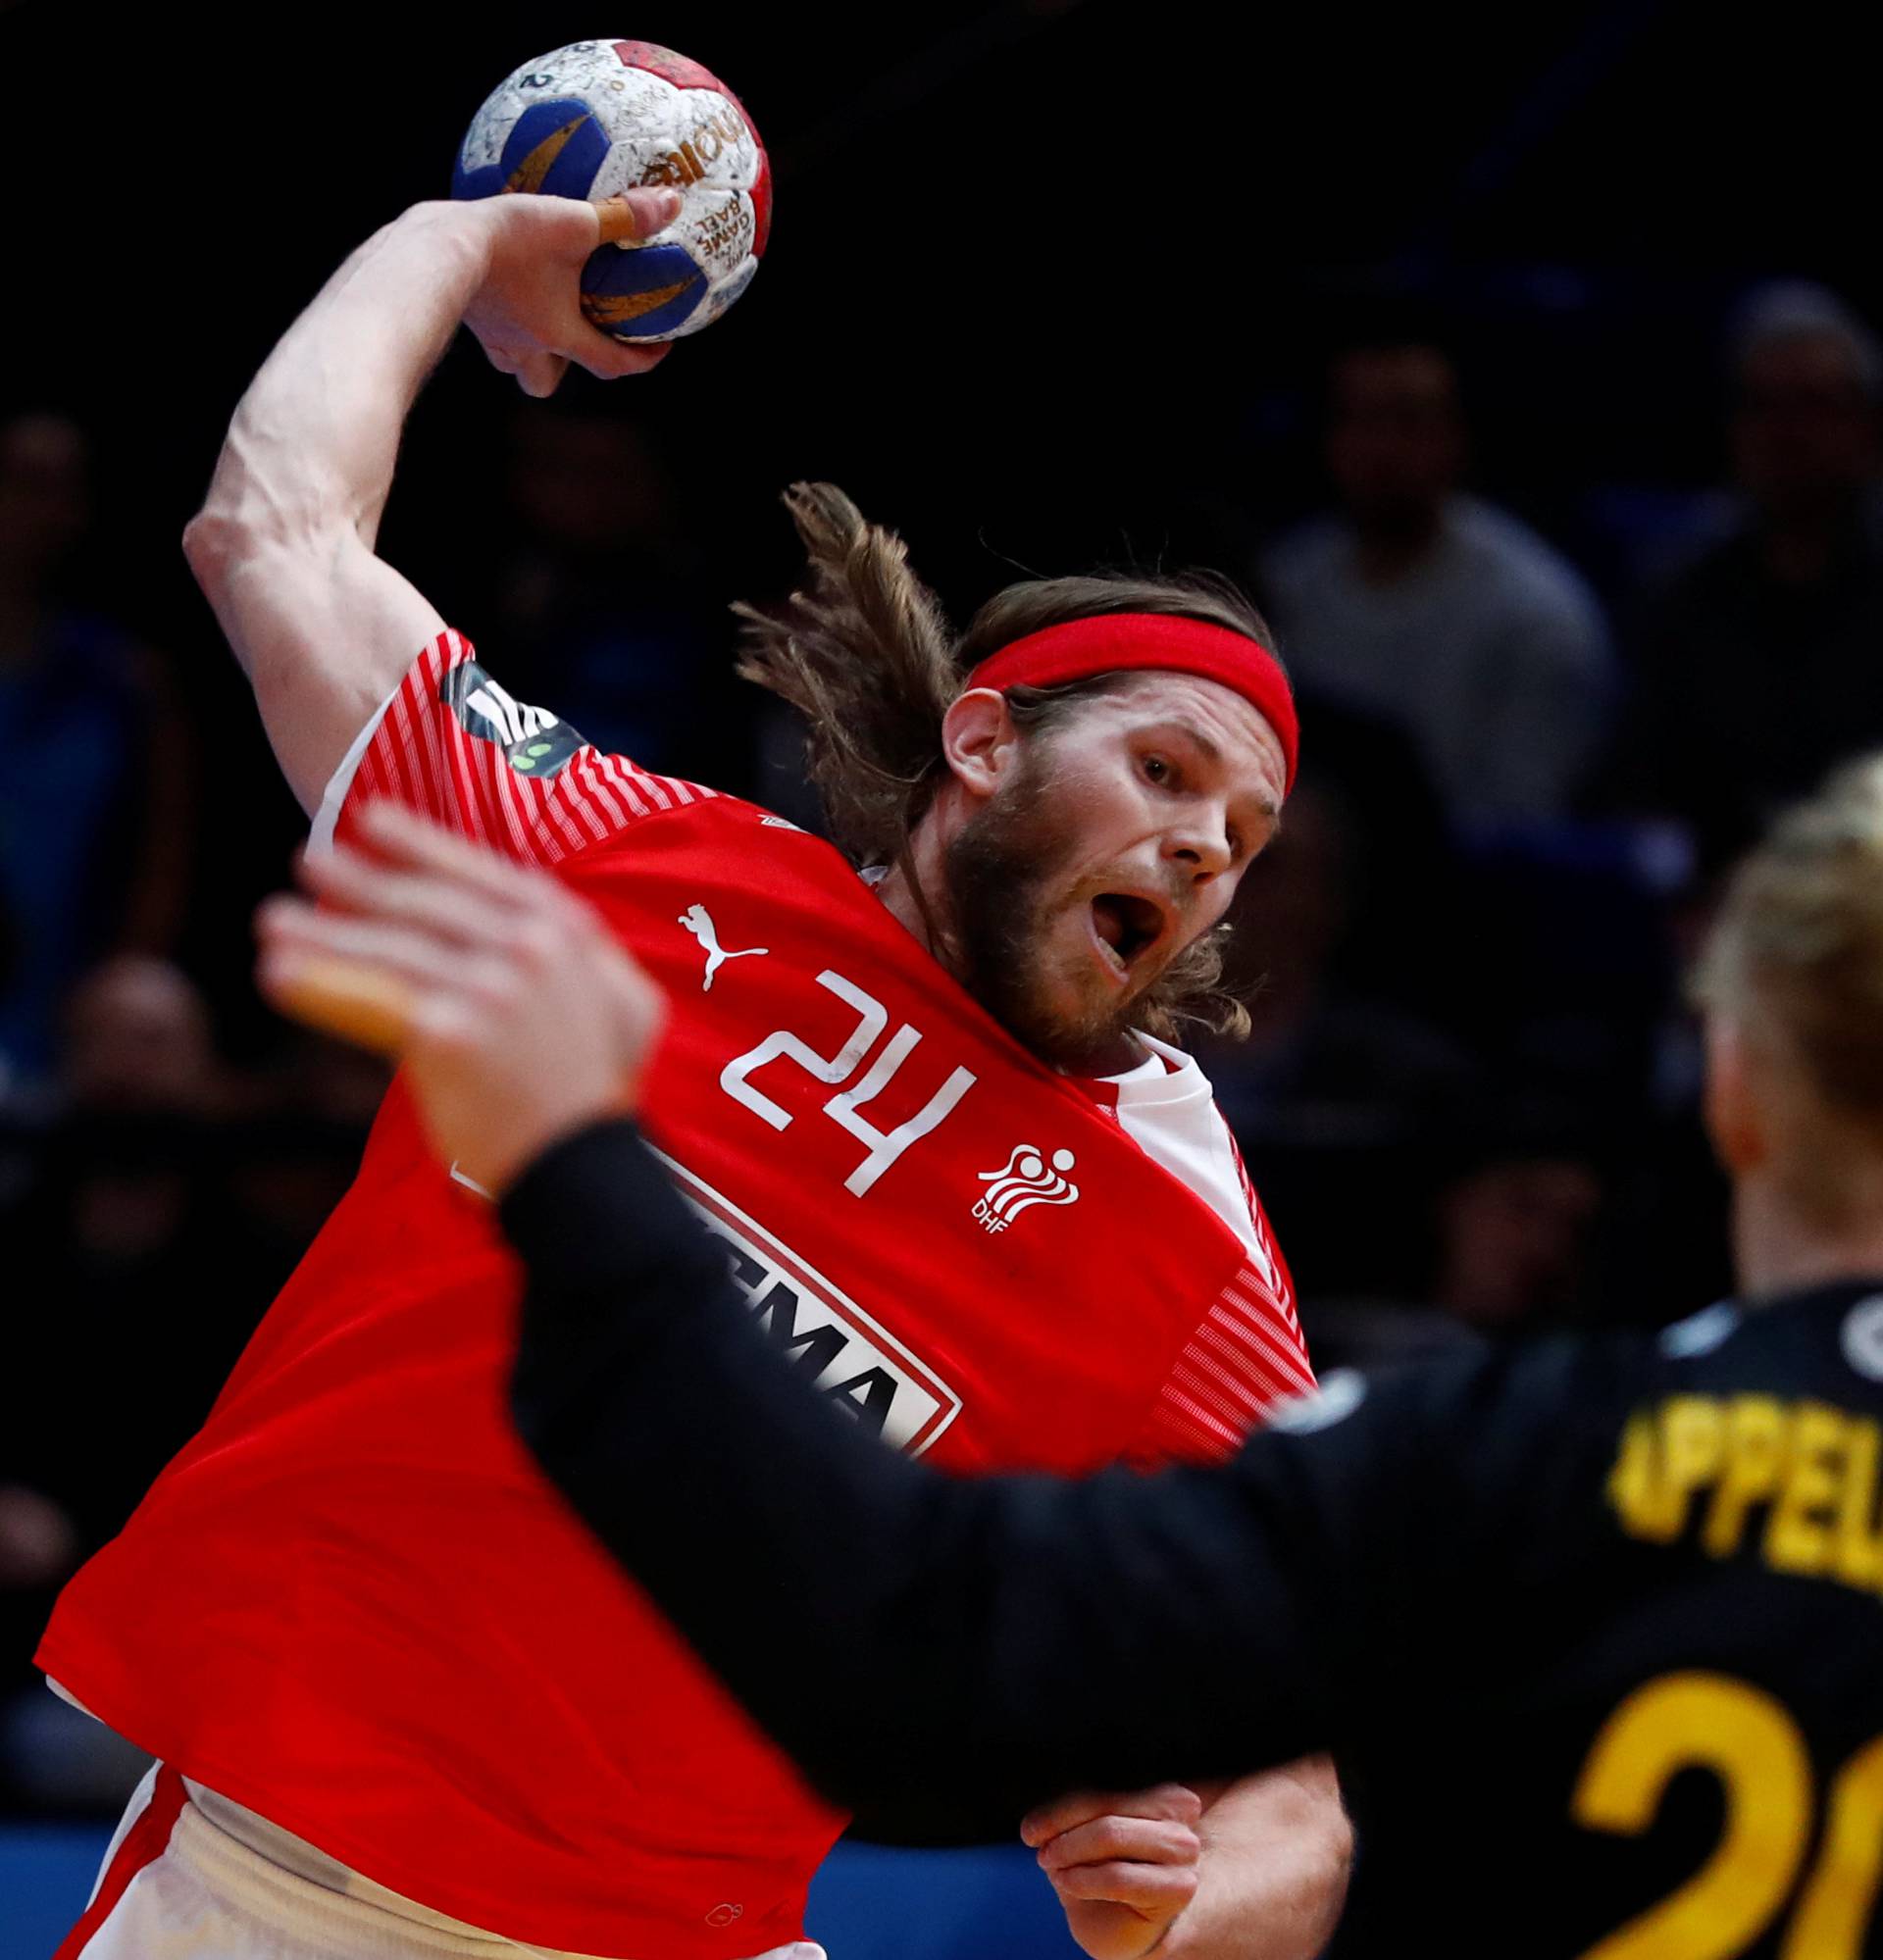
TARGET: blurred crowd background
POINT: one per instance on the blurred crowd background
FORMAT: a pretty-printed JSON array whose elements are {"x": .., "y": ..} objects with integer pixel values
[{"x": 1525, "y": 374}]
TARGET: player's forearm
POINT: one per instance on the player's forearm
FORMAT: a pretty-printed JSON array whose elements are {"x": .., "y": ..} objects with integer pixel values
[
  {"x": 314, "y": 440},
  {"x": 1276, "y": 1849},
  {"x": 283, "y": 546}
]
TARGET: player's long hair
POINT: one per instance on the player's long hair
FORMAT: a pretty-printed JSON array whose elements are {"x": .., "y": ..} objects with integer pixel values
[{"x": 864, "y": 652}]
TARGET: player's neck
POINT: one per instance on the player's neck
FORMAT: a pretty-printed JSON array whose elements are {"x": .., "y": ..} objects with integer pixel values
[
  {"x": 914, "y": 891},
  {"x": 1778, "y": 1248}
]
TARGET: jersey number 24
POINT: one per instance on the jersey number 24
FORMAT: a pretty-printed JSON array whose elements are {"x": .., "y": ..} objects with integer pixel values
[{"x": 846, "y": 1107}]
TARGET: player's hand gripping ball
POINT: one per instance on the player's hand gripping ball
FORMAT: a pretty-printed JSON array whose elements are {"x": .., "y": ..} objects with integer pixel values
[{"x": 597, "y": 118}]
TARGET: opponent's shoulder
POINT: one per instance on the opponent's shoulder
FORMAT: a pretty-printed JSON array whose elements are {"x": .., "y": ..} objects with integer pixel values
[
  {"x": 1495, "y": 1427},
  {"x": 1548, "y": 1390},
  {"x": 1823, "y": 1342}
]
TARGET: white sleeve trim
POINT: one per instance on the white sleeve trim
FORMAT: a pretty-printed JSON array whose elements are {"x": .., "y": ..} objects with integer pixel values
[{"x": 320, "y": 839}]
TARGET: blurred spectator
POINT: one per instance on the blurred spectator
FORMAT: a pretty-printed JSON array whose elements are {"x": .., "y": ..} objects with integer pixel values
[
  {"x": 1436, "y": 611},
  {"x": 1503, "y": 1231},
  {"x": 121, "y": 1267},
  {"x": 118, "y": 1232},
  {"x": 1764, "y": 662},
  {"x": 287, "y": 1160},
  {"x": 172, "y": 1200},
  {"x": 1568, "y": 972},
  {"x": 600, "y": 611},
  {"x": 1515, "y": 1236},
  {"x": 139, "y": 1040},
  {"x": 94, "y": 798},
  {"x": 1347, "y": 936}
]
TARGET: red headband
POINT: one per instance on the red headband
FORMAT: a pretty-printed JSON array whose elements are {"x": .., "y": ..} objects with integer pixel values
[{"x": 1109, "y": 642}]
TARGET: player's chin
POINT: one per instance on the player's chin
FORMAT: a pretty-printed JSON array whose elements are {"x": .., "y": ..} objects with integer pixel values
[
  {"x": 1082, "y": 994},
  {"x": 1098, "y": 1020}
]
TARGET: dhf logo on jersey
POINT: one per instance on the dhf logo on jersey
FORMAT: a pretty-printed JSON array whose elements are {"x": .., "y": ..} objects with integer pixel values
[
  {"x": 1025, "y": 1180},
  {"x": 534, "y": 742}
]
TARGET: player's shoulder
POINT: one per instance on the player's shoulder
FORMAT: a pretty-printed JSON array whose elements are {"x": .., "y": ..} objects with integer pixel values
[
  {"x": 762, "y": 838},
  {"x": 1428, "y": 1461},
  {"x": 1824, "y": 1345},
  {"x": 1824, "y": 1342},
  {"x": 1496, "y": 1415}
]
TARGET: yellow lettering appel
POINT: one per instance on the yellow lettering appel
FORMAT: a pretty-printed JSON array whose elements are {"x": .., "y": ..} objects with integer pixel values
[
  {"x": 1635, "y": 1489},
  {"x": 1692, "y": 1441},
  {"x": 1859, "y": 1551},
  {"x": 1798, "y": 1535},
  {"x": 1755, "y": 1452}
]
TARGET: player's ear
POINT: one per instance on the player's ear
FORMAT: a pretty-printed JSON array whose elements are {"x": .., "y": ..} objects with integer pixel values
[
  {"x": 980, "y": 739},
  {"x": 1737, "y": 1126}
]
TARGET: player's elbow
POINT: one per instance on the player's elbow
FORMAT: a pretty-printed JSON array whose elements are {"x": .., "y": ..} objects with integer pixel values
[
  {"x": 217, "y": 541},
  {"x": 248, "y": 517}
]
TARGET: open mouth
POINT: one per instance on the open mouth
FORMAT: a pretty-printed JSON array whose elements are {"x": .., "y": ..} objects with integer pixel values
[{"x": 1125, "y": 925}]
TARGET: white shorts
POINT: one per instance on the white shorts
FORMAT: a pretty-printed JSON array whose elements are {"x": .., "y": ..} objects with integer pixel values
[{"x": 173, "y": 1883}]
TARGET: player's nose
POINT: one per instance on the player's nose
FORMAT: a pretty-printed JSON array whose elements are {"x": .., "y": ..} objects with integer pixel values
[{"x": 1200, "y": 844}]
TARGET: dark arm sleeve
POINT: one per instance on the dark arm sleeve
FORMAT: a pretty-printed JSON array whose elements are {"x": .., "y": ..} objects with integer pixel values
[{"x": 939, "y": 1653}]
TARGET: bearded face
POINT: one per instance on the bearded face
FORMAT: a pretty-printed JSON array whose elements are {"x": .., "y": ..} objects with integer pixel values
[
  {"x": 1012, "y": 894},
  {"x": 1107, "y": 845},
  {"x": 1058, "y": 947}
]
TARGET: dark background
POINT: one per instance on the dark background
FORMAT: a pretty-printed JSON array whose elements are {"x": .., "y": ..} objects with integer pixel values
[
  {"x": 1045, "y": 278},
  {"x": 1050, "y": 284}
]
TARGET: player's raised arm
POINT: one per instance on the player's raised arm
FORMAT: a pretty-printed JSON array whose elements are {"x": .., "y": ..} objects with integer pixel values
[{"x": 283, "y": 546}]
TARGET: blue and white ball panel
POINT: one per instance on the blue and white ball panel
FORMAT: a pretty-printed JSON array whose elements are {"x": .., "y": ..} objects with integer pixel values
[
  {"x": 645, "y": 293},
  {"x": 579, "y": 123},
  {"x": 555, "y": 149},
  {"x": 720, "y": 297}
]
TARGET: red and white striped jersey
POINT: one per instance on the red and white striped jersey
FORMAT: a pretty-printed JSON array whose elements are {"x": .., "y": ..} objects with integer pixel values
[
  {"x": 452, "y": 743},
  {"x": 353, "y": 1605}
]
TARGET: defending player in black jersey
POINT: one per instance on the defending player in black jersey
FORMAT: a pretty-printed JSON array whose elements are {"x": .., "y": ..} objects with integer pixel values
[{"x": 1595, "y": 1619}]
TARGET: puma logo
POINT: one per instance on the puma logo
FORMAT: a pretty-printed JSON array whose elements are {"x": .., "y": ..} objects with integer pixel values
[{"x": 699, "y": 922}]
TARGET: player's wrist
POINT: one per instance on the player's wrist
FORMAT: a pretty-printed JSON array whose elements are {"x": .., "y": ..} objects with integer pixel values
[
  {"x": 448, "y": 241},
  {"x": 1162, "y": 1947}
]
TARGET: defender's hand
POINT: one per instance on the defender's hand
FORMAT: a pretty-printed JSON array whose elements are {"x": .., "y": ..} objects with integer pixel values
[
  {"x": 1124, "y": 1867},
  {"x": 527, "y": 312},
  {"x": 518, "y": 1015}
]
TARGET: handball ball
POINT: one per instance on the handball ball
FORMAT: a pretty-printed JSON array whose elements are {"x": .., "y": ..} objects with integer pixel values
[{"x": 600, "y": 117}]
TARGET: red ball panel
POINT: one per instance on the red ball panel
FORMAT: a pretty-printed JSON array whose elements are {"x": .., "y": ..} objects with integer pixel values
[
  {"x": 762, "y": 203},
  {"x": 669, "y": 66}
]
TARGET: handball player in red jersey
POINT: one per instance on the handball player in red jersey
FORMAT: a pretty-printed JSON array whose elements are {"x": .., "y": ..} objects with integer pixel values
[{"x": 400, "y": 1701}]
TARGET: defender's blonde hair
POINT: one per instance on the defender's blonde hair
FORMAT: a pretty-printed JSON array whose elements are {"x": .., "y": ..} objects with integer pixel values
[
  {"x": 864, "y": 653},
  {"x": 1797, "y": 949}
]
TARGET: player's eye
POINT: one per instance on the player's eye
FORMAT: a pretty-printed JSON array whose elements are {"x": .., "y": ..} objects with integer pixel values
[{"x": 1158, "y": 770}]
